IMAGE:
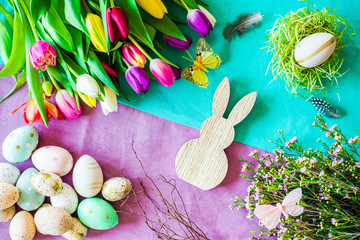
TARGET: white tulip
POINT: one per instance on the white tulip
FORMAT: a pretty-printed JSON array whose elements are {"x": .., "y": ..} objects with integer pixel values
[
  {"x": 110, "y": 101},
  {"x": 208, "y": 15},
  {"x": 87, "y": 85}
]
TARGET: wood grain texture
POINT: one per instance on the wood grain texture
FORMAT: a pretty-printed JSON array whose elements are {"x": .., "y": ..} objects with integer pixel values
[{"x": 202, "y": 162}]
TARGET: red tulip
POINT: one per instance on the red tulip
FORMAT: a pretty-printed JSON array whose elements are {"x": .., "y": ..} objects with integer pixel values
[{"x": 117, "y": 24}]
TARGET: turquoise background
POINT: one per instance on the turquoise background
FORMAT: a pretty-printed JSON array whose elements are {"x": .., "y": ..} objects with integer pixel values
[{"x": 245, "y": 64}]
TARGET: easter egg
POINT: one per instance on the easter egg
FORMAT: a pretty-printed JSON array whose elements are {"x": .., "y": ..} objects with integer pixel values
[
  {"x": 46, "y": 183},
  {"x": 53, "y": 159},
  {"x": 314, "y": 49},
  {"x": 52, "y": 221},
  {"x": 29, "y": 199},
  {"x": 66, "y": 199},
  {"x": 20, "y": 143},
  {"x": 9, "y": 173},
  {"x": 22, "y": 226},
  {"x": 116, "y": 188},
  {"x": 7, "y": 214},
  {"x": 98, "y": 214},
  {"x": 87, "y": 176},
  {"x": 78, "y": 231},
  {"x": 8, "y": 195}
]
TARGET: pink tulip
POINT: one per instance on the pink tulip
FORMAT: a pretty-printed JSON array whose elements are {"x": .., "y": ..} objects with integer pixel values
[
  {"x": 42, "y": 54},
  {"x": 133, "y": 55},
  {"x": 162, "y": 72},
  {"x": 67, "y": 104}
]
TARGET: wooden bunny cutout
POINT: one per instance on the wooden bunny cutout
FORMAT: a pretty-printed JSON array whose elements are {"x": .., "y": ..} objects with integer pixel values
[{"x": 202, "y": 161}]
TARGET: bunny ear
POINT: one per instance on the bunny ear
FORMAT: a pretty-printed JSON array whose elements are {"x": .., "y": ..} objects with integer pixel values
[
  {"x": 242, "y": 108},
  {"x": 221, "y": 98}
]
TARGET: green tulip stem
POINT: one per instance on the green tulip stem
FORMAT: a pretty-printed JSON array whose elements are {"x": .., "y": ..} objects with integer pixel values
[
  {"x": 73, "y": 72},
  {"x": 162, "y": 57},
  {"x": 86, "y": 6},
  {"x": 179, "y": 3},
  {"x": 139, "y": 47},
  {"x": 28, "y": 16},
  {"x": 126, "y": 62},
  {"x": 112, "y": 4},
  {"x": 185, "y": 5},
  {"x": 53, "y": 81}
]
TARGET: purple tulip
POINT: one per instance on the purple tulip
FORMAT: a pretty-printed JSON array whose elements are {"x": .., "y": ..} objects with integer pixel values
[
  {"x": 199, "y": 22},
  {"x": 162, "y": 72},
  {"x": 137, "y": 79},
  {"x": 177, "y": 72},
  {"x": 177, "y": 43}
]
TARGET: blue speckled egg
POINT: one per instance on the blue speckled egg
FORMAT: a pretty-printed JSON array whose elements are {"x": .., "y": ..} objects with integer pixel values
[
  {"x": 29, "y": 199},
  {"x": 20, "y": 143},
  {"x": 97, "y": 213},
  {"x": 9, "y": 173}
]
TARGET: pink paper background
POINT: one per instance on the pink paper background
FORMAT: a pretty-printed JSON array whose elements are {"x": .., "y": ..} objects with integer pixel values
[{"x": 108, "y": 139}]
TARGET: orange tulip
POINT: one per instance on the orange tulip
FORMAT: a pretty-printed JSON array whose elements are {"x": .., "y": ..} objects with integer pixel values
[{"x": 32, "y": 113}]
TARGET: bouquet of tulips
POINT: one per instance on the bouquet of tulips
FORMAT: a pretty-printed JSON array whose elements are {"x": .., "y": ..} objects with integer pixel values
[{"x": 84, "y": 48}]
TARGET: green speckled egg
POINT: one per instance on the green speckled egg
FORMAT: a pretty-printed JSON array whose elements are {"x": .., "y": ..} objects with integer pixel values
[
  {"x": 20, "y": 143},
  {"x": 97, "y": 213}
]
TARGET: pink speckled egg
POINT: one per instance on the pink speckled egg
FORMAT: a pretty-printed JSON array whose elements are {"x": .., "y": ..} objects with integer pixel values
[{"x": 53, "y": 159}]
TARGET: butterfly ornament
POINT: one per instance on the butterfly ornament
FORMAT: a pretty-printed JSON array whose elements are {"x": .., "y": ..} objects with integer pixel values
[
  {"x": 270, "y": 215},
  {"x": 205, "y": 58}
]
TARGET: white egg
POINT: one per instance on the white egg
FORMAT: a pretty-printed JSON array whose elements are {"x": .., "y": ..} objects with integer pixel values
[
  {"x": 22, "y": 226},
  {"x": 9, "y": 173},
  {"x": 87, "y": 176},
  {"x": 53, "y": 159},
  {"x": 66, "y": 199},
  {"x": 314, "y": 49}
]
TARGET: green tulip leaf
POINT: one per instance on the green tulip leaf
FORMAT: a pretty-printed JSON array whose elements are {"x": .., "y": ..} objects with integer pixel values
[
  {"x": 32, "y": 76},
  {"x": 192, "y": 3},
  {"x": 94, "y": 5},
  {"x": 96, "y": 68},
  {"x": 5, "y": 42},
  {"x": 81, "y": 63},
  {"x": 19, "y": 83},
  {"x": 164, "y": 25},
  {"x": 7, "y": 15},
  {"x": 118, "y": 61},
  {"x": 150, "y": 30},
  {"x": 63, "y": 81},
  {"x": 73, "y": 66},
  {"x": 78, "y": 41},
  {"x": 17, "y": 58},
  {"x": 202, "y": 3},
  {"x": 177, "y": 20},
  {"x": 57, "y": 30},
  {"x": 136, "y": 22},
  {"x": 117, "y": 46},
  {"x": 38, "y": 8},
  {"x": 73, "y": 15},
  {"x": 104, "y": 4}
]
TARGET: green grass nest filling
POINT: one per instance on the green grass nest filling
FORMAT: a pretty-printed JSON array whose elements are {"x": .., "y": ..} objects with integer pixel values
[{"x": 288, "y": 31}]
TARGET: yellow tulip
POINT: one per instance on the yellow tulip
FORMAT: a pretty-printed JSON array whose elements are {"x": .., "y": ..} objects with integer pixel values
[
  {"x": 96, "y": 30},
  {"x": 90, "y": 101},
  {"x": 155, "y": 8}
]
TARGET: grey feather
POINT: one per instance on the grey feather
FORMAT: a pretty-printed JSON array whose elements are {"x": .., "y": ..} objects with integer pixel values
[
  {"x": 243, "y": 24},
  {"x": 325, "y": 108}
]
